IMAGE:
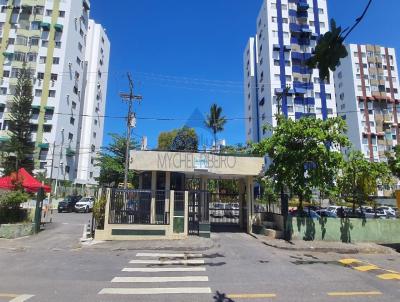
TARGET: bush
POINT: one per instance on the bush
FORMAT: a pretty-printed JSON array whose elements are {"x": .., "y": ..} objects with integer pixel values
[
  {"x": 10, "y": 211},
  {"x": 99, "y": 212},
  {"x": 13, "y": 199}
]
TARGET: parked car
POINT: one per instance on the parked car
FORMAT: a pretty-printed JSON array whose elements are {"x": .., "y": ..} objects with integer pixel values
[
  {"x": 390, "y": 210},
  {"x": 84, "y": 205},
  {"x": 68, "y": 204},
  {"x": 218, "y": 210},
  {"x": 305, "y": 213},
  {"x": 326, "y": 213},
  {"x": 232, "y": 210}
]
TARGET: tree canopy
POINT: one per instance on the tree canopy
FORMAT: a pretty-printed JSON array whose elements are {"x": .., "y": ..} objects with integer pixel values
[
  {"x": 394, "y": 161},
  {"x": 112, "y": 162},
  {"x": 20, "y": 148},
  {"x": 360, "y": 178},
  {"x": 304, "y": 154},
  {"x": 183, "y": 139},
  {"x": 215, "y": 121}
]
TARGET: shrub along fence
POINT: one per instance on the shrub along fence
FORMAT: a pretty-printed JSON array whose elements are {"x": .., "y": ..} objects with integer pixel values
[{"x": 345, "y": 229}]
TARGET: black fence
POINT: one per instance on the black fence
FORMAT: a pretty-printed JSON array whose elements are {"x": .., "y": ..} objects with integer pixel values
[{"x": 134, "y": 207}]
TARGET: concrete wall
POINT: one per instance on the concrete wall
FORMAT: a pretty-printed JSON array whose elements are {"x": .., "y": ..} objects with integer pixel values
[
  {"x": 11, "y": 231},
  {"x": 346, "y": 230}
]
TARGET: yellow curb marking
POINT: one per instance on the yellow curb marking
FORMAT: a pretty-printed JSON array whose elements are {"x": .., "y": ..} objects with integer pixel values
[
  {"x": 389, "y": 276},
  {"x": 251, "y": 296},
  {"x": 349, "y": 261},
  {"x": 344, "y": 294},
  {"x": 366, "y": 268}
]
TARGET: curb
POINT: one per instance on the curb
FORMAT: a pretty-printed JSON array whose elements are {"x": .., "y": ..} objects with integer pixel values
[{"x": 352, "y": 250}]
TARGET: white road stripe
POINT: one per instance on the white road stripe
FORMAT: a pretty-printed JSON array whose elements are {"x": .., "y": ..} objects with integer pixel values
[
  {"x": 190, "y": 261},
  {"x": 161, "y": 255},
  {"x": 164, "y": 269},
  {"x": 155, "y": 291},
  {"x": 21, "y": 298},
  {"x": 159, "y": 279}
]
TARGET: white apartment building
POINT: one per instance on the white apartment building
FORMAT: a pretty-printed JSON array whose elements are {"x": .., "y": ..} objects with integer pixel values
[
  {"x": 367, "y": 93},
  {"x": 287, "y": 31},
  {"x": 94, "y": 105},
  {"x": 53, "y": 36}
]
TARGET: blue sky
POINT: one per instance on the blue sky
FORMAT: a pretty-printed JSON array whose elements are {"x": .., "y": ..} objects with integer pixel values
[{"x": 186, "y": 55}]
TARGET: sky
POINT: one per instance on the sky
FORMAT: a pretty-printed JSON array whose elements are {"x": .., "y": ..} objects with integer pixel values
[{"x": 185, "y": 55}]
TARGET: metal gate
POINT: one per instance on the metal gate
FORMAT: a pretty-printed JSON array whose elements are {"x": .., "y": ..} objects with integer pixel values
[
  {"x": 198, "y": 210},
  {"x": 224, "y": 209}
]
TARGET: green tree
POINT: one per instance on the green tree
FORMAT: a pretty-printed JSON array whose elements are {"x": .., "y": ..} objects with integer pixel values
[
  {"x": 360, "y": 178},
  {"x": 112, "y": 162},
  {"x": 20, "y": 148},
  {"x": 215, "y": 121},
  {"x": 182, "y": 139},
  {"x": 304, "y": 154},
  {"x": 394, "y": 161},
  {"x": 165, "y": 140},
  {"x": 185, "y": 140}
]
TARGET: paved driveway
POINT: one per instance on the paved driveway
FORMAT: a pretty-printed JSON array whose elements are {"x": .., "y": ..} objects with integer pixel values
[{"x": 54, "y": 267}]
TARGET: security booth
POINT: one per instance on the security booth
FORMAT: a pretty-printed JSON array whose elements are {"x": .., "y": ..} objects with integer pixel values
[{"x": 174, "y": 198}]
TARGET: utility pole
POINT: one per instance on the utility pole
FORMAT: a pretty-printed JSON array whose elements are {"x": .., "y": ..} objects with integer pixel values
[
  {"x": 131, "y": 120},
  {"x": 52, "y": 168}
]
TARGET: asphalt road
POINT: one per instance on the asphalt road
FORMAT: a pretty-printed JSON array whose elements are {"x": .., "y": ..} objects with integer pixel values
[{"x": 54, "y": 267}]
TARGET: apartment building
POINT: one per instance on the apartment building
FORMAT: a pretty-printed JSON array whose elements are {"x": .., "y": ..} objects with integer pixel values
[
  {"x": 93, "y": 108},
  {"x": 52, "y": 37},
  {"x": 287, "y": 33},
  {"x": 367, "y": 93}
]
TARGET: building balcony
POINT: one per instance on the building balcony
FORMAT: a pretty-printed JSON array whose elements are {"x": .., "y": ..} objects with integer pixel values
[
  {"x": 302, "y": 6},
  {"x": 70, "y": 152},
  {"x": 299, "y": 115}
]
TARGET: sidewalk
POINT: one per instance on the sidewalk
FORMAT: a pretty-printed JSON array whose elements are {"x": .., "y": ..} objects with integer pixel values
[
  {"x": 325, "y": 246},
  {"x": 192, "y": 243}
]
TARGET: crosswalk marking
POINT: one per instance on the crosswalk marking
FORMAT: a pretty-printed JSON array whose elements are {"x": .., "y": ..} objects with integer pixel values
[
  {"x": 155, "y": 291},
  {"x": 145, "y": 271},
  {"x": 159, "y": 279},
  {"x": 164, "y": 269},
  {"x": 165, "y": 262},
  {"x": 22, "y": 298},
  {"x": 363, "y": 266},
  {"x": 165, "y": 255}
]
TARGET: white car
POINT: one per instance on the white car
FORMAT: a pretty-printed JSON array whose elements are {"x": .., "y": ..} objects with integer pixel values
[
  {"x": 218, "y": 210},
  {"x": 84, "y": 205}
]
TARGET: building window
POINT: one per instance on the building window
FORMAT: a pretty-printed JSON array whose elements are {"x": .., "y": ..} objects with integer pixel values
[
  {"x": 52, "y": 93},
  {"x": 94, "y": 134},
  {"x": 54, "y": 77},
  {"x": 6, "y": 74},
  {"x": 38, "y": 92},
  {"x": 72, "y": 121},
  {"x": 73, "y": 105},
  {"x": 70, "y": 136},
  {"x": 61, "y": 14},
  {"x": 40, "y": 75},
  {"x": 67, "y": 169},
  {"x": 78, "y": 60},
  {"x": 3, "y": 90},
  {"x": 49, "y": 12},
  {"x": 34, "y": 41},
  {"x": 56, "y": 61}
]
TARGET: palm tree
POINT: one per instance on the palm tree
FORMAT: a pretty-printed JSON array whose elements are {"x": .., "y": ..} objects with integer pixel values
[{"x": 215, "y": 121}]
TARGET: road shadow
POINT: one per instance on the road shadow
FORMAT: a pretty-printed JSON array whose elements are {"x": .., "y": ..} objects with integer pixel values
[
  {"x": 226, "y": 228},
  {"x": 394, "y": 246}
]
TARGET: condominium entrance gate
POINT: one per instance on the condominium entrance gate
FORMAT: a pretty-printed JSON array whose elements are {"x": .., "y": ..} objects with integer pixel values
[{"x": 213, "y": 209}]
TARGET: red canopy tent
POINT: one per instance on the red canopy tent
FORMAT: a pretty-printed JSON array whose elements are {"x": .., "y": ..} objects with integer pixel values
[{"x": 29, "y": 183}]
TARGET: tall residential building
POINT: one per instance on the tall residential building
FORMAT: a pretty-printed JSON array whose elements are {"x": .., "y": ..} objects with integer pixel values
[
  {"x": 287, "y": 32},
  {"x": 367, "y": 93},
  {"x": 93, "y": 108},
  {"x": 55, "y": 39}
]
